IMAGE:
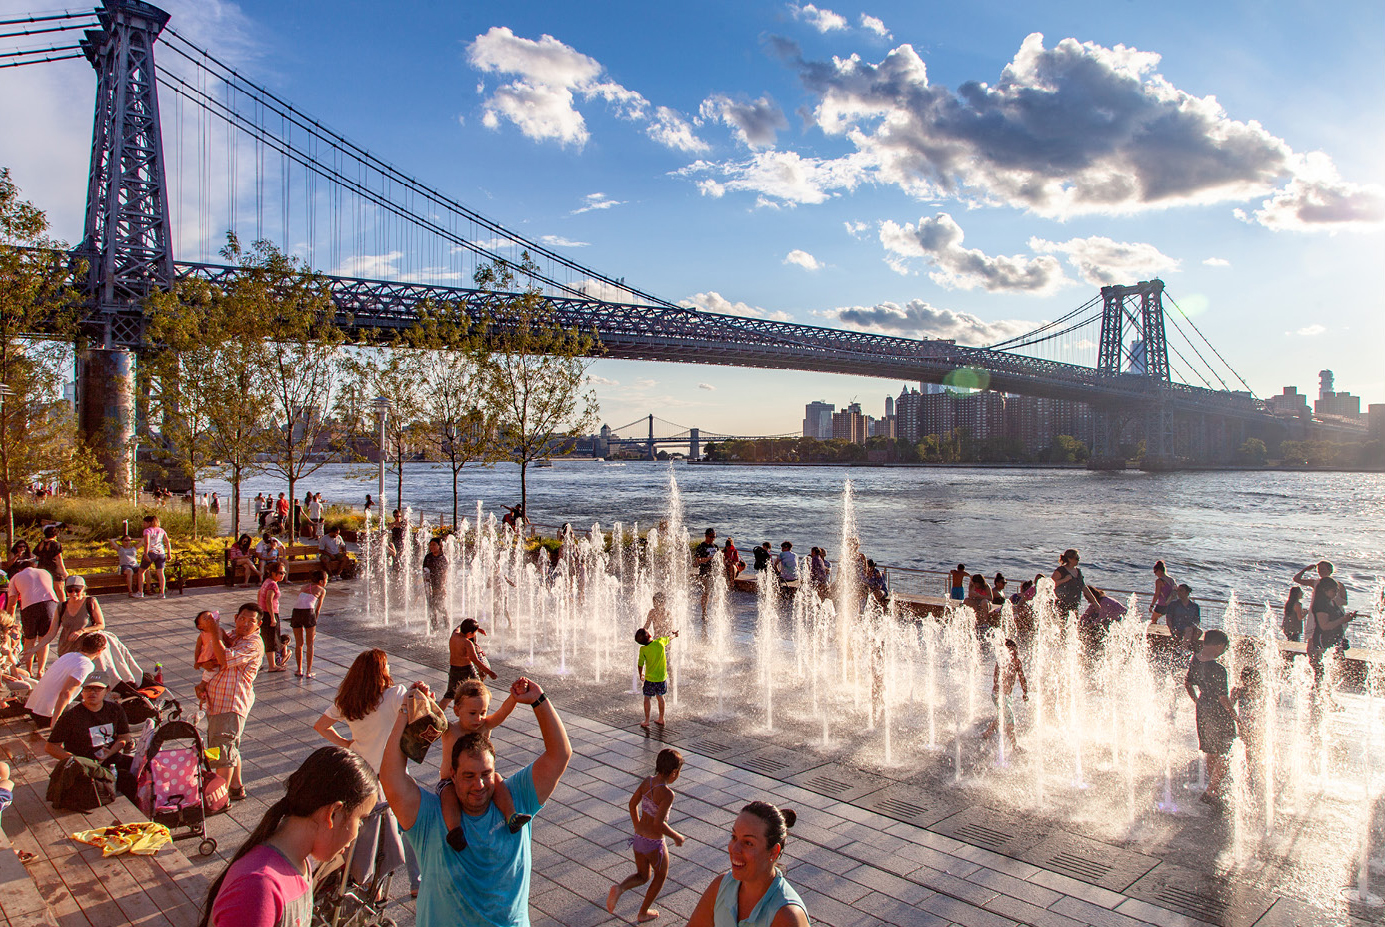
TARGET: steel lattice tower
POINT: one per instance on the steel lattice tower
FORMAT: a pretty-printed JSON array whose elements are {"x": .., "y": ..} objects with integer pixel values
[
  {"x": 126, "y": 237},
  {"x": 1145, "y": 356}
]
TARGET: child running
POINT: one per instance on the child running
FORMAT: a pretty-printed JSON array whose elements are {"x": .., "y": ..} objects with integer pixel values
[
  {"x": 1003, "y": 692},
  {"x": 473, "y": 698},
  {"x": 649, "y": 808},
  {"x": 653, "y": 668},
  {"x": 303, "y": 621},
  {"x": 1206, "y": 685},
  {"x": 465, "y": 659}
]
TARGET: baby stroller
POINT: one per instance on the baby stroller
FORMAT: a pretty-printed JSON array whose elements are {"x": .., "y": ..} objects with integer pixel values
[
  {"x": 149, "y": 700},
  {"x": 354, "y": 888},
  {"x": 174, "y": 785}
]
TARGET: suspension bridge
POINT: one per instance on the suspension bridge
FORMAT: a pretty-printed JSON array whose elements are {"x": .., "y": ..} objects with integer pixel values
[
  {"x": 662, "y": 433},
  {"x": 186, "y": 150}
]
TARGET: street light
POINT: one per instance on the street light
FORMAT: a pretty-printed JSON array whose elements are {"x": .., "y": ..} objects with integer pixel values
[{"x": 382, "y": 409}]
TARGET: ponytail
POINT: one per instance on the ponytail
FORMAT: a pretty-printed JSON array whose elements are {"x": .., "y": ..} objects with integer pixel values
[{"x": 327, "y": 776}]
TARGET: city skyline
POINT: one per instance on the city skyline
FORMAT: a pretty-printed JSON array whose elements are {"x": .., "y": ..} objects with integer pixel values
[{"x": 829, "y": 165}]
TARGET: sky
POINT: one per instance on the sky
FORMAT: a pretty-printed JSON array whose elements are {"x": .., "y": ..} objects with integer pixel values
[{"x": 963, "y": 171}]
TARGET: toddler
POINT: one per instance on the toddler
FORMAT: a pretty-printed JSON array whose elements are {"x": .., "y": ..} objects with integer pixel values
[{"x": 472, "y": 701}]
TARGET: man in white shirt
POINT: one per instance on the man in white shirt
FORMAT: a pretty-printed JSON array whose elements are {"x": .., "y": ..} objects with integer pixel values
[
  {"x": 787, "y": 563},
  {"x": 64, "y": 680},
  {"x": 332, "y": 553},
  {"x": 315, "y": 515}
]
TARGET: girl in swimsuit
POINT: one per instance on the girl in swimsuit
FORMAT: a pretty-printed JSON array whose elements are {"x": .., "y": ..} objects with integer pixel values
[{"x": 649, "y": 808}]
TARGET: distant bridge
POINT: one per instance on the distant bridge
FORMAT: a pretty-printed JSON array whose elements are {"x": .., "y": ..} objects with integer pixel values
[{"x": 669, "y": 435}]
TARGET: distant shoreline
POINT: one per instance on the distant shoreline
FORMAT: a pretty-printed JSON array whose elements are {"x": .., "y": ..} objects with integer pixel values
[{"x": 1198, "y": 468}]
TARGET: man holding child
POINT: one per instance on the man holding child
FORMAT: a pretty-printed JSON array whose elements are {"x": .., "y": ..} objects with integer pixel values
[{"x": 488, "y": 882}]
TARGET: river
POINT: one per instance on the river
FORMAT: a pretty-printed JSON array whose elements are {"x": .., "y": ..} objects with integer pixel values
[{"x": 1218, "y": 531}]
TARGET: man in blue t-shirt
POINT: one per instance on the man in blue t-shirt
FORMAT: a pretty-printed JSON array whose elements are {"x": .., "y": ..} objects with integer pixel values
[
  {"x": 486, "y": 884},
  {"x": 1183, "y": 615}
]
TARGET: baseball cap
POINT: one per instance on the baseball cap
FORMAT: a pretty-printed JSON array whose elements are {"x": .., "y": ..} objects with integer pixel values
[
  {"x": 97, "y": 678},
  {"x": 75, "y": 582}
]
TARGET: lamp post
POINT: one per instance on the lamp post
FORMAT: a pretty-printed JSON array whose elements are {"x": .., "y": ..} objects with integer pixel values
[{"x": 382, "y": 409}]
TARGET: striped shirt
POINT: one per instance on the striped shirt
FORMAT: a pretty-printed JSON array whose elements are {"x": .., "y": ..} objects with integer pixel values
[{"x": 233, "y": 687}]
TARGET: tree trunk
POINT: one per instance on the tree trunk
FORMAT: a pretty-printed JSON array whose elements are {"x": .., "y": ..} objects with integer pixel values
[
  {"x": 523, "y": 492},
  {"x": 456, "y": 470},
  {"x": 9, "y": 516},
  {"x": 235, "y": 502},
  {"x": 193, "y": 493},
  {"x": 399, "y": 481},
  {"x": 293, "y": 509}
]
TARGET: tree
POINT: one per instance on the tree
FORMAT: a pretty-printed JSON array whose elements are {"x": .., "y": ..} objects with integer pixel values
[
  {"x": 181, "y": 376},
  {"x": 1253, "y": 452},
  {"x": 38, "y": 320},
  {"x": 1067, "y": 449},
  {"x": 393, "y": 371},
  {"x": 295, "y": 347},
  {"x": 457, "y": 424},
  {"x": 534, "y": 378}
]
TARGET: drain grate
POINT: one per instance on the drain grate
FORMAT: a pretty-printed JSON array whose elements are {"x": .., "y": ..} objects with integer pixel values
[
  {"x": 829, "y": 785},
  {"x": 899, "y": 808},
  {"x": 1080, "y": 866},
  {"x": 1208, "y": 909},
  {"x": 713, "y": 746},
  {"x": 764, "y": 764},
  {"x": 980, "y": 833}
]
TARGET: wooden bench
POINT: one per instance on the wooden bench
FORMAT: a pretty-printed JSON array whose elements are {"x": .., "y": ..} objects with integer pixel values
[
  {"x": 103, "y": 574},
  {"x": 75, "y": 883},
  {"x": 299, "y": 559}
]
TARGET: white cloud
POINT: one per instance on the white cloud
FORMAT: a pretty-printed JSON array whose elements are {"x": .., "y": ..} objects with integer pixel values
[
  {"x": 646, "y": 383},
  {"x": 1075, "y": 129},
  {"x": 754, "y": 123},
  {"x": 597, "y": 380},
  {"x": 782, "y": 175},
  {"x": 607, "y": 292},
  {"x": 917, "y": 318},
  {"x": 546, "y": 78},
  {"x": 1217, "y": 262},
  {"x": 856, "y": 229},
  {"x": 1311, "y": 330},
  {"x": 558, "y": 241},
  {"x": 939, "y": 241},
  {"x": 802, "y": 259},
  {"x": 707, "y": 386},
  {"x": 597, "y": 201},
  {"x": 1317, "y": 199},
  {"x": 712, "y": 301},
  {"x": 876, "y": 25},
  {"x": 823, "y": 21},
  {"x": 671, "y": 130},
  {"x": 1102, "y": 262}
]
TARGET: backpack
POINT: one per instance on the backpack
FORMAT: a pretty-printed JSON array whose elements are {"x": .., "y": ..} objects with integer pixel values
[{"x": 80, "y": 784}]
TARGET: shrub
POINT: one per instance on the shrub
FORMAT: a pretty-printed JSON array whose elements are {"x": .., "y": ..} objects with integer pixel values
[{"x": 99, "y": 519}]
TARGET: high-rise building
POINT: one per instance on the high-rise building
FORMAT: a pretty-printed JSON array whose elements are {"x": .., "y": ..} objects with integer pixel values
[
  {"x": 907, "y": 415},
  {"x": 850, "y": 425},
  {"x": 889, "y": 407},
  {"x": 1289, "y": 404},
  {"x": 817, "y": 420},
  {"x": 1325, "y": 384},
  {"x": 1333, "y": 404}
]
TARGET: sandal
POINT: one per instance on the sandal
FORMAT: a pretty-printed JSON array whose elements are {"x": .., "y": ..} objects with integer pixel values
[{"x": 237, "y": 793}]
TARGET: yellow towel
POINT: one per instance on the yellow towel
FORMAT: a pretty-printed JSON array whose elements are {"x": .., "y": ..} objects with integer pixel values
[{"x": 142, "y": 839}]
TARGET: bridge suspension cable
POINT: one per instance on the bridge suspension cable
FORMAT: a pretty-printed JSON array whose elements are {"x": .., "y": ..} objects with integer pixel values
[
  {"x": 251, "y": 108},
  {"x": 1210, "y": 345},
  {"x": 1029, "y": 338}
]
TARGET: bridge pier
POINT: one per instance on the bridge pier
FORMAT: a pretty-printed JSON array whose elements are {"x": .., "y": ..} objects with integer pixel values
[{"x": 106, "y": 412}]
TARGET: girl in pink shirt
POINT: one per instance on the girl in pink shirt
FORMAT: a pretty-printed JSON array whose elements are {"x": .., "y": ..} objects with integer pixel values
[
  {"x": 269, "y": 880},
  {"x": 268, "y": 601}
]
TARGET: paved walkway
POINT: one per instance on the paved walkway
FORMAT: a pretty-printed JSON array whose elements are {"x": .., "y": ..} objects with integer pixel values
[{"x": 852, "y": 865}]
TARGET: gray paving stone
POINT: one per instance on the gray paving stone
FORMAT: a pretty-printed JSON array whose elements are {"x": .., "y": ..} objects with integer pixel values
[
  {"x": 1068, "y": 886},
  {"x": 959, "y": 912},
  {"x": 1026, "y": 913},
  {"x": 1092, "y": 914}
]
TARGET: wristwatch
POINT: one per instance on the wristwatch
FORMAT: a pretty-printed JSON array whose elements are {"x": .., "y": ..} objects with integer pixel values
[{"x": 543, "y": 697}]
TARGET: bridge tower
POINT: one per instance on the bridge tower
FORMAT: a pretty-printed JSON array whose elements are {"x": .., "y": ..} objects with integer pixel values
[
  {"x": 126, "y": 240},
  {"x": 1133, "y": 346}
]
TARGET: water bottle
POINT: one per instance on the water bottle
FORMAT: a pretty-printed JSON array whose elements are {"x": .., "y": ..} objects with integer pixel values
[{"x": 159, "y": 673}]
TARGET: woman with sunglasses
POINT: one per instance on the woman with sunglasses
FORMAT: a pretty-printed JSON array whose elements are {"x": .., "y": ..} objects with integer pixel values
[{"x": 79, "y": 614}]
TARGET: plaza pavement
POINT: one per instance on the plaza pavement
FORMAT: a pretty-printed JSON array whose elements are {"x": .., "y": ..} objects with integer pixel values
[{"x": 853, "y": 866}]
